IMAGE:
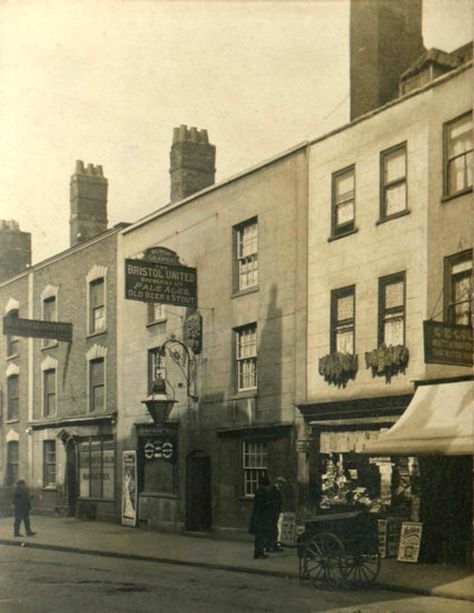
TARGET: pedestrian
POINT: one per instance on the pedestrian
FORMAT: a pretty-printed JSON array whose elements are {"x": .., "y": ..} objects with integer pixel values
[
  {"x": 22, "y": 506},
  {"x": 276, "y": 503},
  {"x": 260, "y": 518}
]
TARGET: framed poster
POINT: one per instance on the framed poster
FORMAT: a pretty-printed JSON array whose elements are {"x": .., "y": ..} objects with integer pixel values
[
  {"x": 410, "y": 541},
  {"x": 287, "y": 533},
  {"x": 129, "y": 488}
]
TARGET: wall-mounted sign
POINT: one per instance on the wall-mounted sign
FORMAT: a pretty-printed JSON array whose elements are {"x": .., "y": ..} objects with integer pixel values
[
  {"x": 148, "y": 281},
  {"x": 447, "y": 344},
  {"x": 36, "y": 328},
  {"x": 303, "y": 445},
  {"x": 159, "y": 449},
  {"x": 410, "y": 541},
  {"x": 129, "y": 488}
]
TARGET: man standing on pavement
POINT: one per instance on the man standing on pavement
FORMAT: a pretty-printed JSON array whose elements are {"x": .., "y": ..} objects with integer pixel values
[
  {"x": 260, "y": 520},
  {"x": 276, "y": 502},
  {"x": 22, "y": 506}
]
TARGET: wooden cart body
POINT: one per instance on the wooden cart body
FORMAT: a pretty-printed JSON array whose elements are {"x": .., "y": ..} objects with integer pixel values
[{"x": 339, "y": 548}]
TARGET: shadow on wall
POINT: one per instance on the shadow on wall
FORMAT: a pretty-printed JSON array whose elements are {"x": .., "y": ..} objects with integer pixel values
[{"x": 269, "y": 362}]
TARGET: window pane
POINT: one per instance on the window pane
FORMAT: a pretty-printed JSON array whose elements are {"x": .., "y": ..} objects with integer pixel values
[
  {"x": 460, "y": 137},
  {"x": 394, "y": 295},
  {"x": 394, "y": 166},
  {"x": 460, "y": 173},
  {"x": 345, "y": 307},
  {"x": 393, "y": 331},
  {"x": 345, "y": 213},
  {"x": 97, "y": 293},
  {"x": 108, "y": 472},
  {"x": 97, "y": 372},
  {"x": 96, "y": 469},
  {"x": 395, "y": 199},
  {"x": 345, "y": 186},
  {"x": 345, "y": 341}
]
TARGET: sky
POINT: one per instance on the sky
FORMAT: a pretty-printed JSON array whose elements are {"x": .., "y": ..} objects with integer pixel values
[{"x": 106, "y": 81}]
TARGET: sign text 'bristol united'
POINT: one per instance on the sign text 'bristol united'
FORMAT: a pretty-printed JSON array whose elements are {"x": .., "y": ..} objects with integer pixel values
[{"x": 164, "y": 283}]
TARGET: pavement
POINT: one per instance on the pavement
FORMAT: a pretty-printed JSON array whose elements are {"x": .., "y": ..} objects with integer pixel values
[{"x": 112, "y": 540}]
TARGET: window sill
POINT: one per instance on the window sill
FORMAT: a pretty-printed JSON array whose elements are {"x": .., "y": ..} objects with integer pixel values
[
  {"x": 463, "y": 192},
  {"x": 16, "y": 420},
  {"x": 252, "y": 393},
  {"x": 158, "y": 495},
  {"x": 50, "y": 346},
  {"x": 394, "y": 216},
  {"x": 336, "y": 237},
  {"x": 244, "y": 292},
  {"x": 49, "y": 488},
  {"x": 157, "y": 322},
  {"x": 247, "y": 498},
  {"x": 86, "y": 499},
  {"x": 98, "y": 333},
  {"x": 13, "y": 356}
]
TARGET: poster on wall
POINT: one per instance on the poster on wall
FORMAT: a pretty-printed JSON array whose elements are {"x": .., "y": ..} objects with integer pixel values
[
  {"x": 410, "y": 541},
  {"x": 129, "y": 488}
]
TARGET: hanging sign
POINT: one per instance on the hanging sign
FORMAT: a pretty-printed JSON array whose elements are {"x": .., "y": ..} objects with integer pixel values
[
  {"x": 447, "y": 344},
  {"x": 148, "y": 281},
  {"x": 36, "y": 328},
  {"x": 129, "y": 488}
]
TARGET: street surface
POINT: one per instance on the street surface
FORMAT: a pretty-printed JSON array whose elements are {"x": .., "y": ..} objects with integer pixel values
[{"x": 49, "y": 581}]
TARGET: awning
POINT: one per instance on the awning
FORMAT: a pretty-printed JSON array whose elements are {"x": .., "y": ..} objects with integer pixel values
[{"x": 438, "y": 421}]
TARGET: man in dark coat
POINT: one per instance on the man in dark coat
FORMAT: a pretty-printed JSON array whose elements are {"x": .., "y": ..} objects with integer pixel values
[
  {"x": 276, "y": 502},
  {"x": 260, "y": 518},
  {"x": 22, "y": 506}
]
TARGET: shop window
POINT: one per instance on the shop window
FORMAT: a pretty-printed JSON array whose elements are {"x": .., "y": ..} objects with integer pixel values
[
  {"x": 255, "y": 465},
  {"x": 246, "y": 358},
  {"x": 97, "y": 305},
  {"x": 343, "y": 320},
  {"x": 97, "y": 467},
  {"x": 49, "y": 464},
  {"x": 97, "y": 385},
  {"x": 156, "y": 366},
  {"x": 156, "y": 312},
  {"x": 246, "y": 249},
  {"x": 343, "y": 201},
  {"x": 392, "y": 310},
  {"x": 458, "y": 159},
  {"x": 12, "y": 463},
  {"x": 393, "y": 182},
  {"x": 13, "y": 342},
  {"x": 458, "y": 288},
  {"x": 49, "y": 392},
  {"x": 13, "y": 397}
]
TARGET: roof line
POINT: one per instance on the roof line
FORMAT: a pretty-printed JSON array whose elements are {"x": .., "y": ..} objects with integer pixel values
[{"x": 171, "y": 206}]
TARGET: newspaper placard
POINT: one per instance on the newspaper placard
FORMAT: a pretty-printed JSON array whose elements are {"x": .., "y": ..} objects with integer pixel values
[
  {"x": 287, "y": 529},
  {"x": 410, "y": 541}
]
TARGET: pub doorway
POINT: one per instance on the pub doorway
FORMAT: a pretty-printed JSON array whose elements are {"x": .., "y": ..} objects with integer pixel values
[
  {"x": 198, "y": 492},
  {"x": 71, "y": 476}
]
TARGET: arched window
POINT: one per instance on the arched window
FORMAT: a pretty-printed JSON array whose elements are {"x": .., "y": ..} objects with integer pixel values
[{"x": 12, "y": 462}]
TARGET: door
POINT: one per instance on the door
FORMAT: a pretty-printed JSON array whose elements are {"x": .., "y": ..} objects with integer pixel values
[{"x": 198, "y": 491}]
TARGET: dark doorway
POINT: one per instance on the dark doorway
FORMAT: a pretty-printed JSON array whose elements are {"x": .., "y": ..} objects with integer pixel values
[
  {"x": 71, "y": 476},
  {"x": 198, "y": 491}
]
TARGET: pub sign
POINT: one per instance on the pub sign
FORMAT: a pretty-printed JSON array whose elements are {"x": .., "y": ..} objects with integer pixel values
[{"x": 148, "y": 281}]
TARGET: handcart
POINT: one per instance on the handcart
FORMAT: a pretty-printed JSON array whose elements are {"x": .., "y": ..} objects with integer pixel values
[{"x": 339, "y": 548}]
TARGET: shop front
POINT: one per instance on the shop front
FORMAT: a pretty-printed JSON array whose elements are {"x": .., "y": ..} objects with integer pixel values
[{"x": 437, "y": 430}]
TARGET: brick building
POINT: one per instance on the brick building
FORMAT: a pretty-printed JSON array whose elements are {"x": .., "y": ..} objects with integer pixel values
[{"x": 60, "y": 398}]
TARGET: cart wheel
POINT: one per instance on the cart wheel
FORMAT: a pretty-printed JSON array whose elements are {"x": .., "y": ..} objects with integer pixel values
[
  {"x": 362, "y": 566},
  {"x": 323, "y": 560}
]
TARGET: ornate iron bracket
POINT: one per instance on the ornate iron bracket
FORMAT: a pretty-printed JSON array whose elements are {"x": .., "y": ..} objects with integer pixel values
[{"x": 186, "y": 367}]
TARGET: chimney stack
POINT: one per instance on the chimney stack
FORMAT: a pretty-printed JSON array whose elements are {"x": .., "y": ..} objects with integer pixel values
[
  {"x": 15, "y": 249},
  {"x": 88, "y": 194},
  {"x": 192, "y": 162},
  {"x": 385, "y": 39}
]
